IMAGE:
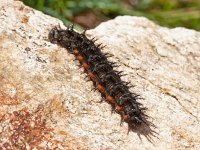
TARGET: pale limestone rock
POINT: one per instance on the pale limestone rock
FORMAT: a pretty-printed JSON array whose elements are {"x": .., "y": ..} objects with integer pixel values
[{"x": 45, "y": 100}]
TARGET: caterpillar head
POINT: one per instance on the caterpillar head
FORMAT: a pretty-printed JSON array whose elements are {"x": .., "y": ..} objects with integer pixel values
[{"x": 54, "y": 35}]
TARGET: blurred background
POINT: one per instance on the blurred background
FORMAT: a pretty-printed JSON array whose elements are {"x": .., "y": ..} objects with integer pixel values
[{"x": 90, "y": 13}]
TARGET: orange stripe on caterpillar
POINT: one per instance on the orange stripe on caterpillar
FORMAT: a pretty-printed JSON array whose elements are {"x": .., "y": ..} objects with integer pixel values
[
  {"x": 91, "y": 75},
  {"x": 110, "y": 99},
  {"x": 85, "y": 66},
  {"x": 118, "y": 108},
  {"x": 76, "y": 52},
  {"x": 100, "y": 88},
  {"x": 80, "y": 58}
]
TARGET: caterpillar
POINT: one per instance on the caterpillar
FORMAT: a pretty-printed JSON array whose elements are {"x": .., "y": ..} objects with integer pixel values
[{"x": 102, "y": 73}]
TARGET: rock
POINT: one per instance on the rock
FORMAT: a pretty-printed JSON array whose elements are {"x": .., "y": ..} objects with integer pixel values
[{"x": 45, "y": 102}]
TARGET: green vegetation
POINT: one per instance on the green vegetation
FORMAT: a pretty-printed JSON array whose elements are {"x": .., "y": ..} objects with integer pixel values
[{"x": 170, "y": 13}]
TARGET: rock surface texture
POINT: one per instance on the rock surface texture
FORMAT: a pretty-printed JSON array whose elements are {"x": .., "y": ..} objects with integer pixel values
[{"x": 45, "y": 102}]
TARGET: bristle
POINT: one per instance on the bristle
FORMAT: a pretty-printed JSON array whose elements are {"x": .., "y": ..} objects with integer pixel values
[{"x": 102, "y": 73}]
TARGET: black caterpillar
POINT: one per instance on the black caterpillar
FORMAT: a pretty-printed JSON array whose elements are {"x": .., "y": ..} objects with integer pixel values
[{"x": 101, "y": 71}]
